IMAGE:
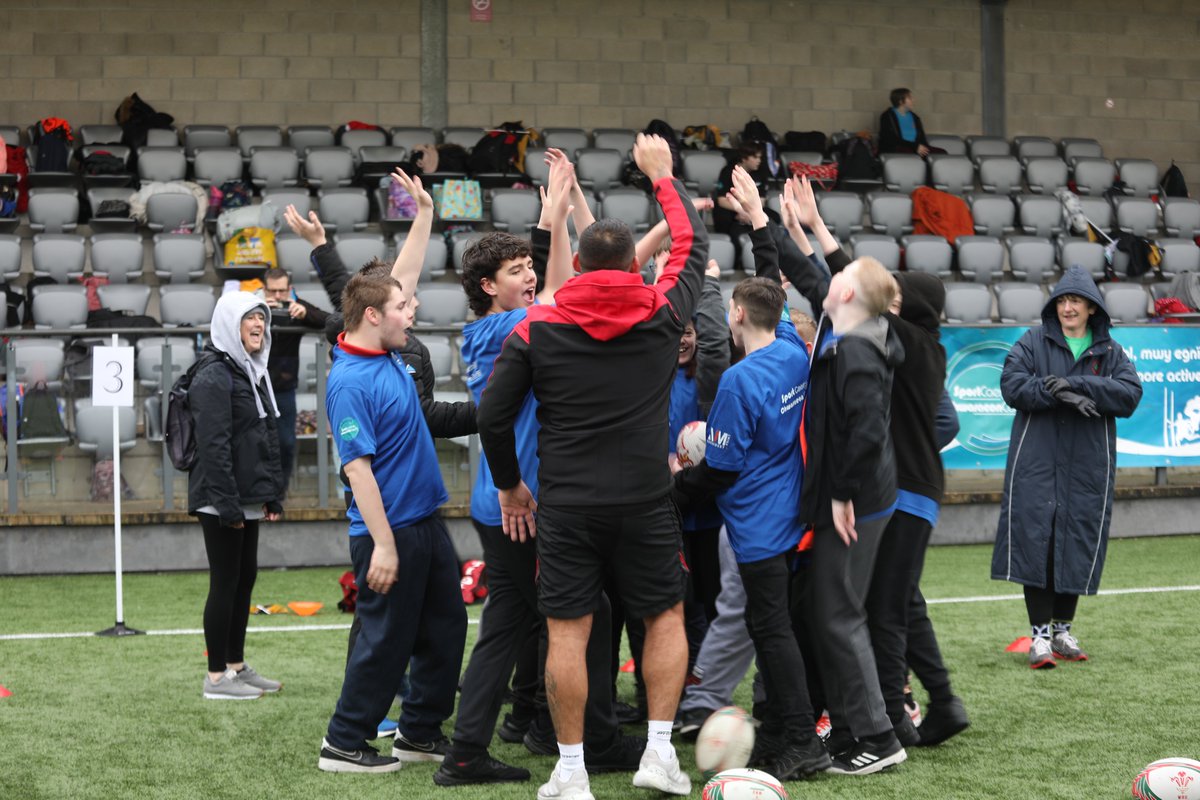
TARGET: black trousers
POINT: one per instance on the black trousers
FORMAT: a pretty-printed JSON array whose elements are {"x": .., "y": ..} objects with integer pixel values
[
  {"x": 1046, "y": 604},
  {"x": 923, "y": 654},
  {"x": 232, "y": 570}
]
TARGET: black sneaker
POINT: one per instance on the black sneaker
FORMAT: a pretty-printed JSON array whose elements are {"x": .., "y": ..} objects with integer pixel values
[
  {"x": 870, "y": 756},
  {"x": 407, "y": 750},
  {"x": 691, "y": 721},
  {"x": 943, "y": 720},
  {"x": 511, "y": 730},
  {"x": 627, "y": 714},
  {"x": 767, "y": 748},
  {"x": 796, "y": 761},
  {"x": 481, "y": 769},
  {"x": 906, "y": 732},
  {"x": 623, "y": 755},
  {"x": 335, "y": 759},
  {"x": 540, "y": 739},
  {"x": 838, "y": 742}
]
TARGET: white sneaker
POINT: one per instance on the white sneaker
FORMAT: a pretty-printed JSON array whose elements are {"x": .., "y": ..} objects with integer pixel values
[
  {"x": 577, "y": 788},
  {"x": 666, "y": 776}
]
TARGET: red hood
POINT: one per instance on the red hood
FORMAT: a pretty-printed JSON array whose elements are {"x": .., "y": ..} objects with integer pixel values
[{"x": 606, "y": 303}]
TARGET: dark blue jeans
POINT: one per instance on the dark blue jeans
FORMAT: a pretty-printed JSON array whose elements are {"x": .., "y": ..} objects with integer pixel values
[{"x": 423, "y": 619}]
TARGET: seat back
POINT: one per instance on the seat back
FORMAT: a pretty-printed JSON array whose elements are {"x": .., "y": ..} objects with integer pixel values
[
  {"x": 131, "y": 297},
  {"x": 251, "y": 136},
  {"x": 599, "y": 168},
  {"x": 161, "y": 164},
  {"x": 328, "y": 167},
  {"x": 842, "y": 212},
  {"x": 198, "y": 136},
  {"x": 441, "y": 306},
  {"x": 515, "y": 210},
  {"x": 1000, "y": 174},
  {"x": 903, "y": 172},
  {"x": 1093, "y": 176},
  {"x": 302, "y": 137},
  {"x": 566, "y": 139},
  {"x": 883, "y": 248},
  {"x": 1045, "y": 175},
  {"x": 60, "y": 307},
  {"x": 1020, "y": 303},
  {"x": 953, "y": 174},
  {"x": 1040, "y": 215},
  {"x": 1030, "y": 258},
  {"x": 59, "y": 256},
  {"x": 54, "y": 211},
  {"x": 632, "y": 206},
  {"x": 356, "y": 249},
  {"x": 993, "y": 215},
  {"x": 968, "y": 303},
  {"x": 186, "y": 306},
  {"x": 170, "y": 211},
  {"x": 216, "y": 165},
  {"x": 118, "y": 256},
  {"x": 930, "y": 254},
  {"x": 179, "y": 257},
  {"x": 980, "y": 258},
  {"x": 344, "y": 210},
  {"x": 702, "y": 168},
  {"x": 891, "y": 213},
  {"x": 274, "y": 166}
]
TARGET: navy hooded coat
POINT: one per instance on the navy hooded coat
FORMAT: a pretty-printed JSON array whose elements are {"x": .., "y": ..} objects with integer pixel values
[{"x": 1058, "y": 483}]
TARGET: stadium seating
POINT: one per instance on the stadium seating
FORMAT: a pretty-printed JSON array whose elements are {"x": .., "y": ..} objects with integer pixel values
[
  {"x": 890, "y": 212},
  {"x": 968, "y": 303},
  {"x": 980, "y": 258},
  {"x": 117, "y": 256}
]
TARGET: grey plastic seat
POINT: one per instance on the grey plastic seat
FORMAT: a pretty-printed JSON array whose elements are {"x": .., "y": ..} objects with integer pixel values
[
  {"x": 10, "y": 256},
  {"x": 981, "y": 147},
  {"x": 462, "y": 135},
  {"x": 436, "y": 254},
  {"x": 213, "y": 166},
  {"x": 842, "y": 212},
  {"x": 1030, "y": 147},
  {"x": 170, "y": 211},
  {"x": 891, "y": 213},
  {"x": 883, "y": 248},
  {"x": 60, "y": 307},
  {"x": 1000, "y": 174},
  {"x": 994, "y": 215},
  {"x": 186, "y": 305},
  {"x": 1181, "y": 216},
  {"x": 94, "y": 429},
  {"x": 179, "y": 257},
  {"x": 378, "y": 161},
  {"x": 119, "y": 150},
  {"x": 1139, "y": 174},
  {"x": 131, "y": 297},
  {"x": 953, "y": 174},
  {"x": 1179, "y": 255},
  {"x": 314, "y": 293},
  {"x": 1030, "y": 258},
  {"x": 149, "y": 359},
  {"x": 307, "y": 353},
  {"x": 118, "y": 256},
  {"x": 536, "y": 167},
  {"x": 94, "y": 134},
  {"x": 1045, "y": 175},
  {"x": 441, "y": 305},
  {"x": 721, "y": 250},
  {"x": 274, "y": 167},
  {"x": 632, "y": 206},
  {"x": 593, "y": 205},
  {"x": 366, "y": 137},
  {"x": 328, "y": 167},
  {"x": 293, "y": 254},
  {"x": 1093, "y": 176},
  {"x": 515, "y": 210},
  {"x": 198, "y": 136},
  {"x": 411, "y": 137},
  {"x": 620, "y": 139},
  {"x": 344, "y": 210},
  {"x": 11, "y": 134},
  {"x": 59, "y": 256},
  {"x": 701, "y": 169},
  {"x": 251, "y": 136},
  {"x": 566, "y": 139},
  {"x": 598, "y": 169},
  {"x": 161, "y": 164},
  {"x": 1040, "y": 215},
  {"x": 39, "y": 360},
  {"x": 1126, "y": 302},
  {"x": 953, "y": 145},
  {"x": 1098, "y": 210},
  {"x": 902, "y": 172},
  {"x": 460, "y": 243},
  {"x": 968, "y": 303},
  {"x": 302, "y": 137},
  {"x": 1020, "y": 303},
  {"x": 1136, "y": 215},
  {"x": 1073, "y": 148},
  {"x": 930, "y": 254},
  {"x": 441, "y": 356},
  {"x": 980, "y": 258},
  {"x": 1082, "y": 253},
  {"x": 53, "y": 211},
  {"x": 162, "y": 137},
  {"x": 96, "y": 195},
  {"x": 356, "y": 249}
]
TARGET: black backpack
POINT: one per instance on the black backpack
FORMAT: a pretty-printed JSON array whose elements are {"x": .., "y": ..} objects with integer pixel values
[
  {"x": 1173, "y": 184},
  {"x": 498, "y": 150},
  {"x": 805, "y": 141},
  {"x": 180, "y": 434},
  {"x": 856, "y": 161},
  {"x": 757, "y": 131},
  {"x": 53, "y": 149},
  {"x": 40, "y": 415}
]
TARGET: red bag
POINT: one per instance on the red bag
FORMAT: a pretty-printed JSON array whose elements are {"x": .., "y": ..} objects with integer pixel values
[
  {"x": 1170, "y": 305},
  {"x": 349, "y": 586},
  {"x": 824, "y": 175},
  {"x": 18, "y": 165}
]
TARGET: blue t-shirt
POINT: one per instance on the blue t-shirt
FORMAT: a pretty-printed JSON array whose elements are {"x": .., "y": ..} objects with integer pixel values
[
  {"x": 685, "y": 408},
  {"x": 374, "y": 410},
  {"x": 754, "y": 429},
  {"x": 908, "y": 126},
  {"x": 482, "y": 342}
]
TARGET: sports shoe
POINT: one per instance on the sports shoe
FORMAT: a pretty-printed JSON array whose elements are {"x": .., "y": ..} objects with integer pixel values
[
  {"x": 943, "y": 720},
  {"x": 1066, "y": 647},
  {"x": 906, "y": 732},
  {"x": 691, "y": 721},
  {"x": 387, "y": 728},
  {"x": 666, "y": 776},
  {"x": 867, "y": 758},
  {"x": 577, "y": 788},
  {"x": 248, "y": 676},
  {"x": 228, "y": 687},
  {"x": 839, "y": 742},
  {"x": 767, "y": 747},
  {"x": 628, "y": 714},
  {"x": 406, "y": 749},
  {"x": 335, "y": 759},
  {"x": 798, "y": 761},
  {"x": 481, "y": 769},
  {"x": 824, "y": 726},
  {"x": 540, "y": 739},
  {"x": 623, "y": 755},
  {"x": 511, "y": 730},
  {"x": 913, "y": 708},
  {"x": 1040, "y": 654}
]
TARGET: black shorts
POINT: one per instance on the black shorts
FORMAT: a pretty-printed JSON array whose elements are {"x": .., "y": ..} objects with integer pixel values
[{"x": 643, "y": 551}]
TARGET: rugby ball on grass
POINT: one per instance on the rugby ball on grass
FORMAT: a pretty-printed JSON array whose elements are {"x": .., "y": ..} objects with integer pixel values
[
  {"x": 743, "y": 784},
  {"x": 689, "y": 445},
  {"x": 725, "y": 741},
  {"x": 1168, "y": 779}
]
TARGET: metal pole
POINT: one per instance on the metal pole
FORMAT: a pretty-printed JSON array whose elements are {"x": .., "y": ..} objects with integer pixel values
[
  {"x": 116, "y": 455},
  {"x": 10, "y": 401}
]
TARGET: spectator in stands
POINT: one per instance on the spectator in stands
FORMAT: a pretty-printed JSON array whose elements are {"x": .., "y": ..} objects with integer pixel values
[
  {"x": 1068, "y": 381},
  {"x": 287, "y": 310},
  {"x": 235, "y": 483},
  {"x": 749, "y": 156},
  {"x": 900, "y": 129}
]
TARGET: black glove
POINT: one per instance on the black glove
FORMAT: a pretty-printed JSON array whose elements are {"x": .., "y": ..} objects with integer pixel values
[
  {"x": 274, "y": 507},
  {"x": 1055, "y": 385},
  {"x": 1084, "y": 405}
]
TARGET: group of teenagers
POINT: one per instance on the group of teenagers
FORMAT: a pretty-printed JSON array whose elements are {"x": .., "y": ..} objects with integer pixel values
[{"x": 796, "y": 542}]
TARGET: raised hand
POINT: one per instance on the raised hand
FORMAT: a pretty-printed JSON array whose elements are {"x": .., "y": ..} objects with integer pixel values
[
  {"x": 652, "y": 155},
  {"x": 310, "y": 230},
  {"x": 712, "y": 269},
  {"x": 744, "y": 193},
  {"x": 415, "y": 189}
]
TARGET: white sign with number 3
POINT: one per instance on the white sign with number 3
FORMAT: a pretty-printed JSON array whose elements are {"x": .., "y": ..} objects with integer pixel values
[{"x": 112, "y": 376}]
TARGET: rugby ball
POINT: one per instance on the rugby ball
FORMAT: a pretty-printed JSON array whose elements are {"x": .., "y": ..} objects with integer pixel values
[
  {"x": 1168, "y": 779},
  {"x": 743, "y": 784},
  {"x": 689, "y": 446},
  {"x": 725, "y": 741}
]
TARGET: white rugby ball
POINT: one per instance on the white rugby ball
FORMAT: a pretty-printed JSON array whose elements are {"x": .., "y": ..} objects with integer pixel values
[
  {"x": 743, "y": 784},
  {"x": 689, "y": 445},
  {"x": 1168, "y": 779},
  {"x": 725, "y": 741}
]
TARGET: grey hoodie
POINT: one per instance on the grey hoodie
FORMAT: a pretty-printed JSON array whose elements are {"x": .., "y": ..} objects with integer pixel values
[{"x": 226, "y": 336}]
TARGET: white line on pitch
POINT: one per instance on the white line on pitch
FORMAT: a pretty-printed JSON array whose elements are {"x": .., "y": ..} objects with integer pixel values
[{"x": 991, "y": 598}]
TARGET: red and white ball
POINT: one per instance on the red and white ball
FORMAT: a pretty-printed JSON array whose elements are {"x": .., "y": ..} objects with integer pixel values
[
  {"x": 1168, "y": 779},
  {"x": 689, "y": 445},
  {"x": 743, "y": 784},
  {"x": 725, "y": 741}
]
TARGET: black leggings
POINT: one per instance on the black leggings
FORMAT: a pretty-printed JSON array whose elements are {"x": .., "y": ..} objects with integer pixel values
[
  {"x": 1044, "y": 605},
  {"x": 232, "y": 568}
]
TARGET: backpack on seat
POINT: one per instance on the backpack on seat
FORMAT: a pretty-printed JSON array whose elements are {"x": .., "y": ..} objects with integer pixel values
[{"x": 41, "y": 416}]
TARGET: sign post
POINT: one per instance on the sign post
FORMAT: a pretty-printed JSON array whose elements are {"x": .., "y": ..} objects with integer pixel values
[{"x": 112, "y": 385}]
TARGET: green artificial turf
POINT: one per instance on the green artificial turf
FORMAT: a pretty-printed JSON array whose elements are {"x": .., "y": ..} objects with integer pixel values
[{"x": 105, "y": 718}]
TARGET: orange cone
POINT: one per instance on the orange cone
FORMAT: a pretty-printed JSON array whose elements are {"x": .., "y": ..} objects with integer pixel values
[
  {"x": 1019, "y": 645},
  {"x": 5, "y": 692},
  {"x": 628, "y": 666}
]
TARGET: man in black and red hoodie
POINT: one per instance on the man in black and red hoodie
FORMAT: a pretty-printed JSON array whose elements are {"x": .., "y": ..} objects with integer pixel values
[{"x": 601, "y": 362}]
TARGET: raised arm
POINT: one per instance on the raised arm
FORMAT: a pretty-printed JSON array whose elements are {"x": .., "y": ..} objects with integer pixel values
[
  {"x": 556, "y": 204},
  {"x": 581, "y": 213},
  {"x": 324, "y": 256},
  {"x": 407, "y": 269},
  {"x": 651, "y": 240}
]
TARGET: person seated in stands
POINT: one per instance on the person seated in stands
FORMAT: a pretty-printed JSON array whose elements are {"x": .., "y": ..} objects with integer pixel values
[
  {"x": 749, "y": 157},
  {"x": 900, "y": 129}
]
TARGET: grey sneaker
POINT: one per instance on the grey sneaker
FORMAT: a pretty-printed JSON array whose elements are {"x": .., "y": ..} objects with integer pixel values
[
  {"x": 666, "y": 776},
  {"x": 1040, "y": 654},
  {"x": 577, "y": 788},
  {"x": 228, "y": 687},
  {"x": 251, "y": 678},
  {"x": 1066, "y": 647}
]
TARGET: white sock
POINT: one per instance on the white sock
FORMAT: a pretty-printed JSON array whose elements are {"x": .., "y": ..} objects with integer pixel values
[
  {"x": 570, "y": 758},
  {"x": 658, "y": 738}
]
